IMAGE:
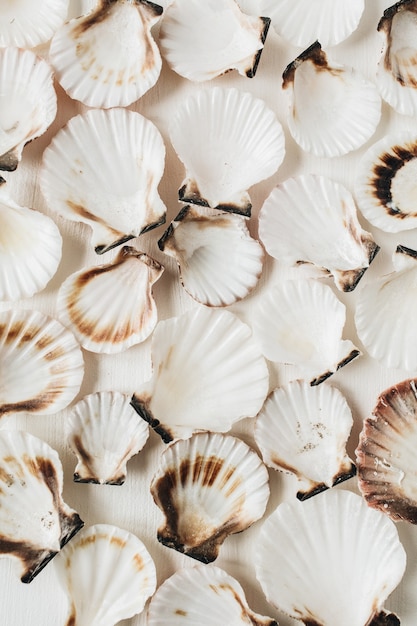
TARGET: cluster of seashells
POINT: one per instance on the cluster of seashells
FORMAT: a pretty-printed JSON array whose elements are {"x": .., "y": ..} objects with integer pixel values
[{"x": 210, "y": 406}]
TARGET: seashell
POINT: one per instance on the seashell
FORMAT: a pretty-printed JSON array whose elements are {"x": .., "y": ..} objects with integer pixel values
[
  {"x": 30, "y": 249},
  {"x": 28, "y": 102},
  {"x": 339, "y": 539},
  {"x": 229, "y": 39},
  {"x": 301, "y": 322},
  {"x": 35, "y": 523},
  {"x": 110, "y": 307},
  {"x": 333, "y": 109},
  {"x": 312, "y": 219},
  {"x": 210, "y": 379},
  {"x": 219, "y": 262},
  {"x": 104, "y": 432},
  {"x": 41, "y": 363},
  {"x": 208, "y": 487},
  {"x": 108, "y": 575},
  {"x": 28, "y": 24},
  {"x": 204, "y": 594},
  {"x": 228, "y": 141},
  {"x": 119, "y": 200},
  {"x": 108, "y": 58},
  {"x": 303, "y": 430}
]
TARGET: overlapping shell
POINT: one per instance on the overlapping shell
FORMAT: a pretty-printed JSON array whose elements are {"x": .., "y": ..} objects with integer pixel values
[
  {"x": 208, "y": 487},
  {"x": 27, "y": 24}
]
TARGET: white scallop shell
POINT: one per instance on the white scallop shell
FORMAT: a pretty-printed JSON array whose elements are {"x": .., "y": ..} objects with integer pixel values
[
  {"x": 41, "y": 363},
  {"x": 228, "y": 141},
  {"x": 332, "y": 108},
  {"x": 27, "y": 24},
  {"x": 108, "y": 575},
  {"x": 339, "y": 539},
  {"x": 303, "y": 430},
  {"x": 119, "y": 199},
  {"x": 227, "y": 39},
  {"x": 205, "y": 595},
  {"x": 110, "y": 307},
  {"x": 28, "y": 102},
  {"x": 108, "y": 58},
  {"x": 208, "y": 487},
  {"x": 219, "y": 261},
  {"x": 30, "y": 249},
  {"x": 35, "y": 523},
  {"x": 313, "y": 219},
  {"x": 301, "y": 322},
  {"x": 104, "y": 432}
]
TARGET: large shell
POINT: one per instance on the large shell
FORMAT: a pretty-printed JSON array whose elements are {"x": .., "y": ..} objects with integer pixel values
[
  {"x": 108, "y": 57},
  {"x": 28, "y": 102},
  {"x": 313, "y": 219},
  {"x": 110, "y": 307},
  {"x": 30, "y": 249},
  {"x": 332, "y": 108},
  {"x": 227, "y": 39},
  {"x": 219, "y": 261},
  {"x": 228, "y": 141},
  {"x": 339, "y": 539},
  {"x": 27, "y": 24},
  {"x": 104, "y": 432},
  {"x": 208, "y": 374},
  {"x": 119, "y": 199},
  {"x": 35, "y": 523},
  {"x": 108, "y": 575},
  {"x": 303, "y": 430},
  {"x": 41, "y": 363},
  {"x": 205, "y": 595},
  {"x": 208, "y": 487}
]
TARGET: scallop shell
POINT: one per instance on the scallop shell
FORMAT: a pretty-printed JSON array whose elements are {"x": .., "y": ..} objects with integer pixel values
[
  {"x": 228, "y": 141},
  {"x": 35, "y": 523},
  {"x": 110, "y": 307},
  {"x": 303, "y": 430},
  {"x": 104, "y": 432},
  {"x": 28, "y": 102},
  {"x": 108, "y": 575},
  {"x": 208, "y": 374},
  {"x": 30, "y": 249},
  {"x": 205, "y": 595},
  {"x": 108, "y": 58},
  {"x": 119, "y": 200},
  {"x": 301, "y": 322},
  {"x": 208, "y": 487},
  {"x": 332, "y": 108},
  {"x": 28, "y": 24},
  {"x": 339, "y": 539},
  {"x": 219, "y": 261},
  {"x": 313, "y": 219},
  {"x": 228, "y": 39},
  {"x": 41, "y": 363}
]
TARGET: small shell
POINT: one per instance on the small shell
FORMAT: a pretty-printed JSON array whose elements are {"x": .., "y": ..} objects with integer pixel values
[
  {"x": 30, "y": 249},
  {"x": 104, "y": 432},
  {"x": 301, "y": 322},
  {"x": 205, "y": 595},
  {"x": 333, "y": 109},
  {"x": 41, "y": 363},
  {"x": 28, "y": 24},
  {"x": 339, "y": 539},
  {"x": 28, "y": 102},
  {"x": 110, "y": 307},
  {"x": 35, "y": 523},
  {"x": 228, "y": 141},
  {"x": 108, "y": 575},
  {"x": 313, "y": 219},
  {"x": 208, "y": 487},
  {"x": 219, "y": 261},
  {"x": 108, "y": 58},
  {"x": 303, "y": 430},
  {"x": 208, "y": 374},
  {"x": 119, "y": 200}
]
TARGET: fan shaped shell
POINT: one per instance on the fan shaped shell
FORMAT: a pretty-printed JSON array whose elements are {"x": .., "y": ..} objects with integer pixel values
[{"x": 27, "y": 24}]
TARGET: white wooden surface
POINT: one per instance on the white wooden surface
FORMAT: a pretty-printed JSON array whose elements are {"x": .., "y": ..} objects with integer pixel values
[{"x": 42, "y": 603}]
